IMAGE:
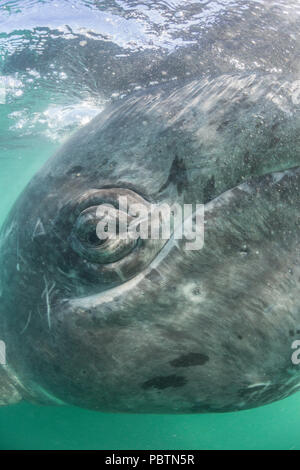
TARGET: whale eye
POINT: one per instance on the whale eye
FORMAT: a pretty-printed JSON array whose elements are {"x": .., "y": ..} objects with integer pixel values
[
  {"x": 107, "y": 246},
  {"x": 100, "y": 234}
]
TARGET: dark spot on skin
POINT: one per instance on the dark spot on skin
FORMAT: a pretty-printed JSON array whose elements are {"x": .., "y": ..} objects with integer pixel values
[
  {"x": 74, "y": 170},
  {"x": 209, "y": 190},
  {"x": 177, "y": 175},
  {"x": 162, "y": 382},
  {"x": 240, "y": 337},
  {"x": 190, "y": 359}
]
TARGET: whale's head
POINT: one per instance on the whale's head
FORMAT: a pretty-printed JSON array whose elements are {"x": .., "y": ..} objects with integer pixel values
[{"x": 161, "y": 324}]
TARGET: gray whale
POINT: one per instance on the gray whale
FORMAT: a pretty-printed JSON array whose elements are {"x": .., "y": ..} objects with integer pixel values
[{"x": 186, "y": 331}]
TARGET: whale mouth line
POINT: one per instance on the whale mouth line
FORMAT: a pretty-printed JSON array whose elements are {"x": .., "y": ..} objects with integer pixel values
[{"x": 115, "y": 292}]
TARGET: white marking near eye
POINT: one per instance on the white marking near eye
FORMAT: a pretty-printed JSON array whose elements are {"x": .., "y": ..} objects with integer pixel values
[{"x": 38, "y": 229}]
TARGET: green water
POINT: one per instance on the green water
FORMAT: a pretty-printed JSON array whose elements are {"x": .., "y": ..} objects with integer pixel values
[
  {"x": 61, "y": 80},
  {"x": 26, "y": 426}
]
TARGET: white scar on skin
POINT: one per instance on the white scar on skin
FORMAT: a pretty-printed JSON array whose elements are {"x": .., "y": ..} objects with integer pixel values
[
  {"x": 47, "y": 293},
  {"x": 38, "y": 229},
  {"x": 260, "y": 384}
]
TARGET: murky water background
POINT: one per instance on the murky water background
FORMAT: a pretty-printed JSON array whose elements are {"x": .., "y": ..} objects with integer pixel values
[{"x": 60, "y": 63}]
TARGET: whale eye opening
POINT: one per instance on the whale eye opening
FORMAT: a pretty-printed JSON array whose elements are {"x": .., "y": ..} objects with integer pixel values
[
  {"x": 97, "y": 239},
  {"x": 106, "y": 237},
  {"x": 93, "y": 239},
  {"x": 86, "y": 230}
]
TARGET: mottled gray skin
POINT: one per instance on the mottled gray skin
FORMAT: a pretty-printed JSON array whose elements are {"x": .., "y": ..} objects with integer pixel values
[{"x": 163, "y": 330}]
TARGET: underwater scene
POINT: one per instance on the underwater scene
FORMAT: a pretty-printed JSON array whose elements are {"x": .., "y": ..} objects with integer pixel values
[{"x": 150, "y": 225}]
